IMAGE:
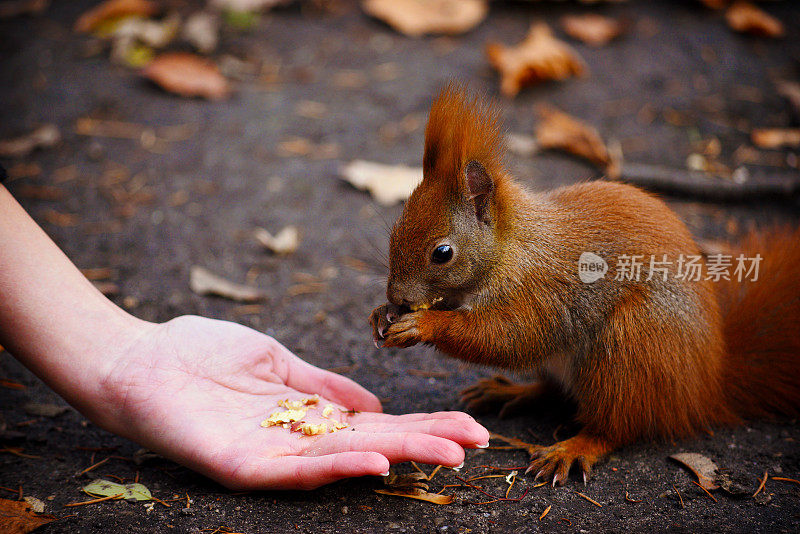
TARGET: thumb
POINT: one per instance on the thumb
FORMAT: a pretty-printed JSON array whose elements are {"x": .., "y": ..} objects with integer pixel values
[{"x": 303, "y": 376}]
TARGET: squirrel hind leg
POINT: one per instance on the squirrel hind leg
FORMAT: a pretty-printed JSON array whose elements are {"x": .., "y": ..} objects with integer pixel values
[
  {"x": 512, "y": 398},
  {"x": 554, "y": 462}
]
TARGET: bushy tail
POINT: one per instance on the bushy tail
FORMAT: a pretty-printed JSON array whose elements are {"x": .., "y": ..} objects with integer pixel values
[{"x": 762, "y": 327}]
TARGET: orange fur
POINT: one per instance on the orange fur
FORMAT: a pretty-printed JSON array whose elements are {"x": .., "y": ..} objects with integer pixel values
[{"x": 643, "y": 358}]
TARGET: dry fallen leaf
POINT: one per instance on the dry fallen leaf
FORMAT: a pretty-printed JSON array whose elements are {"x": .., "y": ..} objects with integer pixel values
[
  {"x": 418, "y": 494},
  {"x": 559, "y": 131},
  {"x": 44, "y": 410},
  {"x": 204, "y": 282},
  {"x": 420, "y": 17},
  {"x": 715, "y": 4},
  {"x": 776, "y": 137},
  {"x": 388, "y": 184},
  {"x": 16, "y": 517},
  {"x": 44, "y": 136},
  {"x": 129, "y": 492},
  {"x": 747, "y": 18},
  {"x": 15, "y": 8},
  {"x": 702, "y": 466},
  {"x": 201, "y": 30},
  {"x": 790, "y": 91},
  {"x": 114, "y": 9},
  {"x": 538, "y": 58},
  {"x": 187, "y": 75},
  {"x": 284, "y": 242},
  {"x": 592, "y": 29}
]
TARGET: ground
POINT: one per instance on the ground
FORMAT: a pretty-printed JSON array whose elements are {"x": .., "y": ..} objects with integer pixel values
[{"x": 150, "y": 212}]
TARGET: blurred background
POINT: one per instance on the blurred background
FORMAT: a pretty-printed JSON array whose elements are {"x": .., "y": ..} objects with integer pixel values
[{"x": 179, "y": 150}]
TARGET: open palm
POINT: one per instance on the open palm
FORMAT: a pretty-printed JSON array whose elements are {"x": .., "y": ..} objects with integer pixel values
[{"x": 196, "y": 391}]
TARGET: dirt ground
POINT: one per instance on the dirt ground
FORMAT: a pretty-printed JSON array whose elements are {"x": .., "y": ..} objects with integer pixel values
[{"x": 149, "y": 212}]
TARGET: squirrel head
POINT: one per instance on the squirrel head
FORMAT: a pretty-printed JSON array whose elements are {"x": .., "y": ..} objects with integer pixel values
[{"x": 445, "y": 242}]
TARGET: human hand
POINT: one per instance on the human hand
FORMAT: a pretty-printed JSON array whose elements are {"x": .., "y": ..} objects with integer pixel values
[{"x": 196, "y": 390}]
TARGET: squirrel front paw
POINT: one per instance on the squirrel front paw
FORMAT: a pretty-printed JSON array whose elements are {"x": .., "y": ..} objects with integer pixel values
[
  {"x": 381, "y": 319},
  {"x": 404, "y": 332}
]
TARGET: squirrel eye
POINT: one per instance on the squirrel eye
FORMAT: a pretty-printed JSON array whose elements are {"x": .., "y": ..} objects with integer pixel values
[{"x": 442, "y": 254}]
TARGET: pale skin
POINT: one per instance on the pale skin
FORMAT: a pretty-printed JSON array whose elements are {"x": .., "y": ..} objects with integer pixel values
[{"x": 194, "y": 389}]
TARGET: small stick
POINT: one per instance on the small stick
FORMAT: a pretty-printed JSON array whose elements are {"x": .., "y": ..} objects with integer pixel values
[
  {"x": 567, "y": 520},
  {"x": 679, "y": 495},
  {"x": 136, "y": 478},
  {"x": 540, "y": 484},
  {"x": 594, "y": 502},
  {"x": 627, "y": 498},
  {"x": 121, "y": 480},
  {"x": 159, "y": 501},
  {"x": 784, "y": 479},
  {"x": 555, "y": 432},
  {"x": 708, "y": 492},
  {"x": 546, "y": 511},
  {"x": 485, "y": 476},
  {"x": 98, "y": 464},
  {"x": 17, "y": 451},
  {"x": 101, "y": 499},
  {"x": 8, "y": 489},
  {"x": 511, "y": 485},
  {"x": 763, "y": 482}
]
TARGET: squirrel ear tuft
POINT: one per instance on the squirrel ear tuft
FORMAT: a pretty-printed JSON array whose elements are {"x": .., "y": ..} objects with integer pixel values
[{"x": 479, "y": 188}]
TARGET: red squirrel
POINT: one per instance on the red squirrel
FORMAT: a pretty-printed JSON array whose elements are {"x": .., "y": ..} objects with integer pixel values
[{"x": 488, "y": 272}]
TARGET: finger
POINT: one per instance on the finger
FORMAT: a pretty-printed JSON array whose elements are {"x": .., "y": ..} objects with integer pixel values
[
  {"x": 303, "y": 376},
  {"x": 466, "y": 435},
  {"x": 308, "y": 472},
  {"x": 370, "y": 417},
  {"x": 396, "y": 447}
]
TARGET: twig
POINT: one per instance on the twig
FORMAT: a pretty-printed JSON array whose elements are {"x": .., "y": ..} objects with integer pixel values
[
  {"x": 567, "y": 520},
  {"x": 784, "y": 479},
  {"x": 627, "y": 498},
  {"x": 594, "y": 502},
  {"x": 707, "y": 492},
  {"x": 763, "y": 482},
  {"x": 159, "y": 501},
  {"x": 701, "y": 184},
  {"x": 511, "y": 484},
  {"x": 679, "y": 495},
  {"x": 555, "y": 432},
  {"x": 101, "y": 499},
  {"x": 17, "y": 451},
  {"x": 98, "y": 464},
  {"x": 546, "y": 511},
  {"x": 8, "y": 489}
]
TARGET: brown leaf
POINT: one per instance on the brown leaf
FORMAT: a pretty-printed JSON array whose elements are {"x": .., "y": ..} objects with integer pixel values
[
  {"x": 204, "y": 282},
  {"x": 187, "y": 75},
  {"x": 42, "y": 137},
  {"x": 790, "y": 91},
  {"x": 715, "y": 4},
  {"x": 113, "y": 9},
  {"x": 418, "y": 494},
  {"x": 559, "y": 131},
  {"x": 40, "y": 192},
  {"x": 776, "y": 137},
  {"x": 15, "y": 8},
  {"x": 703, "y": 467},
  {"x": 538, "y": 58},
  {"x": 745, "y": 17},
  {"x": 60, "y": 218},
  {"x": 16, "y": 517},
  {"x": 420, "y": 17},
  {"x": 592, "y": 29}
]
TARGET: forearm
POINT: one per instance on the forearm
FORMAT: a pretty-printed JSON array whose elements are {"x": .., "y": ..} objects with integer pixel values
[
  {"x": 485, "y": 338},
  {"x": 51, "y": 317}
]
